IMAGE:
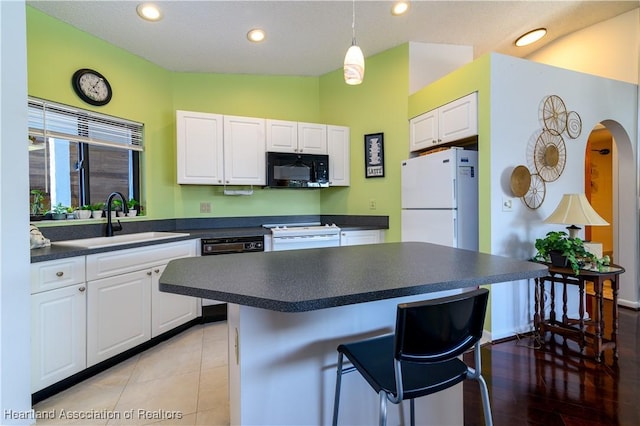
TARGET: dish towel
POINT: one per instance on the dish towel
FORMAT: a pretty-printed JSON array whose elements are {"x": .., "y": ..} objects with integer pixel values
[{"x": 36, "y": 238}]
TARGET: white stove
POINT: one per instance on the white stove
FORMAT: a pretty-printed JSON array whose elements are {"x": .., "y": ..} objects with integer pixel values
[{"x": 304, "y": 236}]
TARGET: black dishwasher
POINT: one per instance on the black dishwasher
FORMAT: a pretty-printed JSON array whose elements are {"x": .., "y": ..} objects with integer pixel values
[{"x": 213, "y": 310}]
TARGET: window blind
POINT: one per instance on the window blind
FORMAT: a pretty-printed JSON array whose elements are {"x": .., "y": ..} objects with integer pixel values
[{"x": 51, "y": 120}]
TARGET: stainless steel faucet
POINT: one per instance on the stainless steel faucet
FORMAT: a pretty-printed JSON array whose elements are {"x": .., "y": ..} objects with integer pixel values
[{"x": 110, "y": 226}]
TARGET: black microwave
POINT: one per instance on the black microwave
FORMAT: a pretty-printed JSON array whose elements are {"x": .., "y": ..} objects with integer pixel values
[{"x": 290, "y": 170}]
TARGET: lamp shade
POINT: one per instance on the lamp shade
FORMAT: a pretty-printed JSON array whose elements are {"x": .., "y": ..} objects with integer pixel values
[
  {"x": 574, "y": 209},
  {"x": 354, "y": 65}
]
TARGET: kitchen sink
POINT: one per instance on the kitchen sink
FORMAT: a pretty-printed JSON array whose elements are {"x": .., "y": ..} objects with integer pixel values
[{"x": 99, "y": 242}]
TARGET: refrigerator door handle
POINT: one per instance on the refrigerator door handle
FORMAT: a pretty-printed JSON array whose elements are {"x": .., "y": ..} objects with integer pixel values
[
  {"x": 455, "y": 192},
  {"x": 455, "y": 231}
]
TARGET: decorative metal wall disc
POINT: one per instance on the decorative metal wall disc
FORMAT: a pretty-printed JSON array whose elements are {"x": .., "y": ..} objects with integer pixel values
[
  {"x": 520, "y": 181},
  {"x": 535, "y": 195},
  {"x": 554, "y": 114},
  {"x": 549, "y": 156},
  {"x": 574, "y": 124}
]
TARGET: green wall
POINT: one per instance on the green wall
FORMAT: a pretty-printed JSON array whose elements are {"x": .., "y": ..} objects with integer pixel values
[
  {"x": 149, "y": 94},
  {"x": 472, "y": 77},
  {"x": 379, "y": 104}
]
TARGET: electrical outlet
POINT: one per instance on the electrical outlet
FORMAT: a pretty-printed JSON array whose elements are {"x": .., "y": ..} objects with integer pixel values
[
  {"x": 205, "y": 207},
  {"x": 507, "y": 205},
  {"x": 372, "y": 204}
]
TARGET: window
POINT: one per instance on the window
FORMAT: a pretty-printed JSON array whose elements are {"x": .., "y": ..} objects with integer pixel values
[{"x": 78, "y": 157}]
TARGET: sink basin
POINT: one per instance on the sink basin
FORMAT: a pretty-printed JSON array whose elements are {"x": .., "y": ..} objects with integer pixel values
[{"x": 99, "y": 242}]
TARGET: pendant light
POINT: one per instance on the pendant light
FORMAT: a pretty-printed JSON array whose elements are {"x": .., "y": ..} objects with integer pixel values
[{"x": 354, "y": 59}]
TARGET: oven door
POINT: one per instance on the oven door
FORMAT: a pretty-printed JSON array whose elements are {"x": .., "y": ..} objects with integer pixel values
[{"x": 305, "y": 242}]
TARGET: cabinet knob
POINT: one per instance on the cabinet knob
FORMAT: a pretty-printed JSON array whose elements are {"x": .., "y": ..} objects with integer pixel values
[
  {"x": 59, "y": 274},
  {"x": 219, "y": 180},
  {"x": 81, "y": 289},
  {"x": 157, "y": 271},
  {"x": 149, "y": 273}
]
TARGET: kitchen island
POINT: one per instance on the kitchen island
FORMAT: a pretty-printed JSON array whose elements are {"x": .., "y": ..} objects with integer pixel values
[{"x": 289, "y": 310}]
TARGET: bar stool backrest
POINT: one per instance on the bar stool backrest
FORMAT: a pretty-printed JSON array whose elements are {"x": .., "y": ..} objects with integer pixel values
[{"x": 440, "y": 329}]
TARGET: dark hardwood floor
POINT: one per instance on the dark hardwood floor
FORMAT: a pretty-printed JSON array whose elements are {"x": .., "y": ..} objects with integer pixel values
[{"x": 554, "y": 385}]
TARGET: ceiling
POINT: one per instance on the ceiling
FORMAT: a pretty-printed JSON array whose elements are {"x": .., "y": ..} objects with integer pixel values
[{"x": 310, "y": 38}]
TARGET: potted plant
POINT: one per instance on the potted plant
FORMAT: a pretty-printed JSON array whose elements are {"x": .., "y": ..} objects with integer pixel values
[
  {"x": 96, "y": 210},
  {"x": 83, "y": 212},
  {"x": 132, "y": 205},
  {"x": 37, "y": 204},
  {"x": 560, "y": 250},
  {"x": 59, "y": 212}
]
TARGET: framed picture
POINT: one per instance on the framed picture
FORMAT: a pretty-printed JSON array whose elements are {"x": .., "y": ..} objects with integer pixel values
[{"x": 374, "y": 155}]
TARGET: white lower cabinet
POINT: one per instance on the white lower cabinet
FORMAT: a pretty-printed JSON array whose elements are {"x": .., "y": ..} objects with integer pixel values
[
  {"x": 169, "y": 310},
  {"x": 354, "y": 238},
  {"x": 58, "y": 335},
  {"x": 87, "y": 309},
  {"x": 118, "y": 314},
  {"x": 125, "y": 305}
]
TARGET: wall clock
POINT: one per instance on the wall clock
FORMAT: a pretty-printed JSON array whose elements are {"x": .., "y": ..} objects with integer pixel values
[{"x": 91, "y": 86}]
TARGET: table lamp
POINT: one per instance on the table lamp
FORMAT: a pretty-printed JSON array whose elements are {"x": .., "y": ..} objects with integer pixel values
[{"x": 574, "y": 209}]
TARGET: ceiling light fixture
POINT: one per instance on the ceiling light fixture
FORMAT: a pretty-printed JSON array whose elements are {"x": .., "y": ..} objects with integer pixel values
[
  {"x": 531, "y": 37},
  {"x": 256, "y": 35},
  {"x": 354, "y": 59},
  {"x": 399, "y": 8},
  {"x": 149, "y": 12}
]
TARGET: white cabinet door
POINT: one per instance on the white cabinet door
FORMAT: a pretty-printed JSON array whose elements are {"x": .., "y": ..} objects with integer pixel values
[
  {"x": 355, "y": 238},
  {"x": 451, "y": 122},
  {"x": 338, "y": 147},
  {"x": 118, "y": 314},
  {"x": 282, "y": 136},
  {"x": 199, "y": 148},
  {"x": 244, "y": 151},
  {"x": 458, "y": 119},
  {"x": 169, "y": 310},
  {"x": 312, "y": 138},
  {"x": 58, "y": 335},
  {"x": 423, "y": 131}
]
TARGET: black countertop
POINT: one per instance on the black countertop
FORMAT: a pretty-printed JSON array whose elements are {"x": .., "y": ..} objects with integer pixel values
[
  {"x": 196, "y": 228},
  {"x": 312, "y": 279}
]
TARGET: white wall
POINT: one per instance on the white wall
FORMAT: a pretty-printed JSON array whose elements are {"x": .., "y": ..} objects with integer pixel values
[
  {"x": 15, "y": 315},
  {"x": 518, "y": 88},
  {"x": 608, "y": 49},
  {"x": 429, "y": 61}
]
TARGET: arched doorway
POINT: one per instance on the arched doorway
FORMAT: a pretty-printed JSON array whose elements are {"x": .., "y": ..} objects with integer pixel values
[
  {"x": 598, "y": 186},
  {"x": 611, "y": 185}
]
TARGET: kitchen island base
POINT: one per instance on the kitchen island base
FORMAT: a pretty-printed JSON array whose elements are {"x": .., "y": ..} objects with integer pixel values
[{"x": 282, "y": 368}]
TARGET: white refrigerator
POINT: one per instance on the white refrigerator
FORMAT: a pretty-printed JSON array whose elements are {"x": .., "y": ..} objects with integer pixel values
[{"x": 440, "y": 198}]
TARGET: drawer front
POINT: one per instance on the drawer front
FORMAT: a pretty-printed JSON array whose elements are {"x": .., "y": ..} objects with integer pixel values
[
  {"x": 54, "y": 274},
  {"x": 102, "y": 265}
]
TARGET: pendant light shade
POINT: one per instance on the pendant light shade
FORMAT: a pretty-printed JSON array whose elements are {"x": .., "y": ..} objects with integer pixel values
[
  {"x": 354, "y": 65},
  {"x": 354, "y": 59}
]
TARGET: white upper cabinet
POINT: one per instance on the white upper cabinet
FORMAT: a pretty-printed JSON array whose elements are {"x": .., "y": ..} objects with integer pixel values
[
  {"x": 199, "y": 148},
  {"x": 338, "y": 147},
  {"x": 220, "y": 150},
  {"x": 424, "y": 130},
  {"x": 459, "y": 119},
  {"x": 454, "y": 121},
  {"x": 244, "y": 151},
  {"x": 282, "y": 136},
  {"x": 312, "y": 138},
  {"x": 292, "y": 136}
]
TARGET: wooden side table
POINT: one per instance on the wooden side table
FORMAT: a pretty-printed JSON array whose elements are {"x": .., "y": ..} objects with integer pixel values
[{"x": 576, "y": 328}]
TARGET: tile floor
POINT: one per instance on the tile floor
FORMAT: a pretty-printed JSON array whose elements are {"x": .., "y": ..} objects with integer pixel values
[{"x": 186, "y": 374}]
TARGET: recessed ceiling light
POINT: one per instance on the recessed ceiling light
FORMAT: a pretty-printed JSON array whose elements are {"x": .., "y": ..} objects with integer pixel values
[
  {"x": 531, "y": 37},
  {"x": 149, "y": 12},
  {"x": 256, "y": 35},
  {"x": 399, "y": 8}
]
